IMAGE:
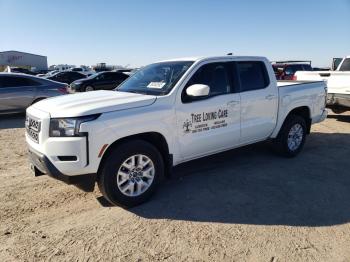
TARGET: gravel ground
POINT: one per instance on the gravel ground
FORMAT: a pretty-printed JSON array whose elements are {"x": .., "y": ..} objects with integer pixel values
[{"x": 243, "y": 205}]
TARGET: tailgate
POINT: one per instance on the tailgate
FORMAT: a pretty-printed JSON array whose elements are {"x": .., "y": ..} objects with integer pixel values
[{"x": 337, "y": 82}]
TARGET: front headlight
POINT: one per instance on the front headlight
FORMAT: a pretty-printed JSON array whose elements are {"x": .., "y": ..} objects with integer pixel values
[{"x": 68, "y": 127}]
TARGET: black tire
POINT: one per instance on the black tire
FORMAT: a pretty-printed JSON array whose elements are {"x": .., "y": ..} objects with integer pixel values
[
  {"x": 338, "y": 111},
  {"x": 89, "y": 88},
  {"x": 107, "y": 179},
  {"x": 281, "y": 142}
]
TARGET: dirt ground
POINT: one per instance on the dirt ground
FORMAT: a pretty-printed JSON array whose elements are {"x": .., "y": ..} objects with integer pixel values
[{"x": 244, "y": 205}]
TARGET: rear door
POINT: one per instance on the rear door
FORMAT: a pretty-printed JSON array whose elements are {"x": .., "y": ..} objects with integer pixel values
[
  {"x": 72, "y": 76},
  {"x": 62, "y": 77},
  {"x": 109, "y": 81},
  {"x": 259, "y": 101},
  {"x": 103, "y": 81},
  {"x": 16, "y": 92}
]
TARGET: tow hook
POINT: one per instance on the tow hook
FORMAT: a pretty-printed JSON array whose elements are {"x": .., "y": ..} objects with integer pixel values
[{"x": 36, "y": 171}]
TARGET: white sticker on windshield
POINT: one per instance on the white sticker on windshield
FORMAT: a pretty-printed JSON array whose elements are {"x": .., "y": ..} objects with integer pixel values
[{"x": 157, "y": 85}]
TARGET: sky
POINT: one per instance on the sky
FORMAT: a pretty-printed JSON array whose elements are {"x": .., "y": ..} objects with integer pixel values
[{"x": 138, "y": 32}]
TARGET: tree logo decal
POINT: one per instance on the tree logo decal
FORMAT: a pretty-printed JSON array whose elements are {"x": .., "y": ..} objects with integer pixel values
[{"x": 186, "y": 126}]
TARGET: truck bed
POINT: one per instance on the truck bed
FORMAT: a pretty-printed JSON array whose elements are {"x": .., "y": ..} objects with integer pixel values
[
  {"x": 295, "y": 93},
  {"x": 282, "y": 83}
]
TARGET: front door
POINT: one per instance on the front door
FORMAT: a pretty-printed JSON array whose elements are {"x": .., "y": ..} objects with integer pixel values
[{"x": 212, "y": 123}]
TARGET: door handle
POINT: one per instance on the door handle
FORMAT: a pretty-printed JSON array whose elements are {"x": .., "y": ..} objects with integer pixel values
[
  {"x": 269, "y": 97},
  {"x": 232, "y": 103}
]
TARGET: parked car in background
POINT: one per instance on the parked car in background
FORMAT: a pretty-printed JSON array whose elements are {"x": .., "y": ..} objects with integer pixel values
[
  {"x": 66, "y": 77},
  {"x": 61, "y": 67},
  {"x": 128, "y": 71},
  {"x": 99, "y": 81},
  {"x": 124, "y": 70},
  {"x": 338, "y": 83},
  {"x": 83, "y": 70},
  {"x": 285, "y": 70},
  {"x": 47, "y": 74},
  {"x": 18, "y": 91},
  {"x": 19, "y": 70}
]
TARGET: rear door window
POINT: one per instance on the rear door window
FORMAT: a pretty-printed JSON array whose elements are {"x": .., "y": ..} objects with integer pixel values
[
  {"x": 63, "y": 76},
  {"x": 11, "y": 81},
  {"x": 110, "y": 76},
  {"x": 253, "y": 75},
  {"x": 75, "y": 76}
]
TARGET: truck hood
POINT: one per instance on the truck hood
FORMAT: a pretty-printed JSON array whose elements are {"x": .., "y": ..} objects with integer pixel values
[{"x": 94, "y": 102}]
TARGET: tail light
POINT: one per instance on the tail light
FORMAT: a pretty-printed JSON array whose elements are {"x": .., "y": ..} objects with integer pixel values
[
  {"x": 63, "y": 90},
  {"x": 294, "y": 78}
]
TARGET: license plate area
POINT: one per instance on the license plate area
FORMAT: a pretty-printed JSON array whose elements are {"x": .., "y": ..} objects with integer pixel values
[{"x": 33, "y": 127}]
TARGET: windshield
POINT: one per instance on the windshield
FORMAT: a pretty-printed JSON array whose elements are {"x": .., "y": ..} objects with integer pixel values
[
  {"x": 155, "y": 79},
  {"x": 345, "y": 66}
]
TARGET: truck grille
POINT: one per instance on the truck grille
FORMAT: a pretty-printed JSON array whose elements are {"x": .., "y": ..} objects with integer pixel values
[{"x": 33, "y": 128}]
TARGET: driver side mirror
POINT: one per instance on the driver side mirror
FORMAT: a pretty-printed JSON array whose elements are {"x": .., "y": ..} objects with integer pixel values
[{"x": 198, "y": 90}]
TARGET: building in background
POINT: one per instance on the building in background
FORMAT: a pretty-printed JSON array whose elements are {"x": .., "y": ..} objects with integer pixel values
[
  {"x": 99, "y": 67},
  {"x": 61, "y": 67},
  {"x": 23, "y": 60}
]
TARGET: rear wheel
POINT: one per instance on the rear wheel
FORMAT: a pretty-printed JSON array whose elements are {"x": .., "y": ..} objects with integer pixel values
[
  {"x": 130, "y": 173},
  {"x": 89, "y": 88},
  {"x": 291, "y": 137}
]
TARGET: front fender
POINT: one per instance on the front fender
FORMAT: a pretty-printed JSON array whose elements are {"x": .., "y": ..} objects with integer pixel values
[{"x": 114, "y": 126}]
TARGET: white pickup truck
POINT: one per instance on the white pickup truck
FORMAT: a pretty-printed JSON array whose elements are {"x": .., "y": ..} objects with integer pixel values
[
  {"x": 338, "y": 83},
  {"x": 168, "y": 113}
]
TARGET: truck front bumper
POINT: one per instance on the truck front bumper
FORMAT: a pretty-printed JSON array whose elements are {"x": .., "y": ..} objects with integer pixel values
[
  {"x": 342, "y": 100},
  {"x": 41, "y": 165}
]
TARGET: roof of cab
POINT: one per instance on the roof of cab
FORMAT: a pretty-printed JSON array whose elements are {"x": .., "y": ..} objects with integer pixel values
[{"x": 206, "y": 58}]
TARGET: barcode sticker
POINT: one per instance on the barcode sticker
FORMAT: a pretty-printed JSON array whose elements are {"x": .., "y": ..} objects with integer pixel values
[{"x": 157, "y": 85}]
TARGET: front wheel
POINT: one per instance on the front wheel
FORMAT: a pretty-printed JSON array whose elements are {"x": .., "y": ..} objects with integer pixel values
[
  {"x": 338, "y": 110},
  {"x": 291, "y": 137},
  {"x": 130, "y": 173}
]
